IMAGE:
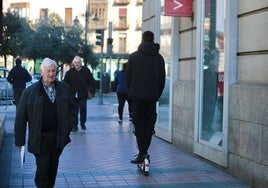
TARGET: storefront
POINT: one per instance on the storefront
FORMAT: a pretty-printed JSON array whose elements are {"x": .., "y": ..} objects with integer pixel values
[{"x": 216, "y": 100}]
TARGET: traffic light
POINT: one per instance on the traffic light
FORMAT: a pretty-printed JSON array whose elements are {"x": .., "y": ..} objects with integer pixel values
[
  {"x": 110, "y": 41},
  {"x": 109, "y": 46},
  {"x": 99, "y": 37}
]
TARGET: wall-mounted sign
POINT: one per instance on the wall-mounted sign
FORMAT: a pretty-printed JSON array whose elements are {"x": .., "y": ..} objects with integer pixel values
[{"x": 181, "y": 8}]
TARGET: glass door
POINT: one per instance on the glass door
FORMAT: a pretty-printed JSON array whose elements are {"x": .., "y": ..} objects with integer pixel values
[
  {"x": 209, "y": 139},
  {"x": 213, "y": 73},
  {"x": 163, "y": 125}
]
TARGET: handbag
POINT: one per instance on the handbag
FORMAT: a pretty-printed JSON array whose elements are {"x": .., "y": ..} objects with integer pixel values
[{"x": 89, "y": 94}]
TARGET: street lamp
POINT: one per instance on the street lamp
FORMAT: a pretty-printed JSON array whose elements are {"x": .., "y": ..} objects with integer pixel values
[
  {"x": 100, "y": 42},
  {"x": 95, "y": 19}
]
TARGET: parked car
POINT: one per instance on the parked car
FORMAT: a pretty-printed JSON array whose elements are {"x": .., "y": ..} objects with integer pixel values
[{"x": 6, "y": 90}]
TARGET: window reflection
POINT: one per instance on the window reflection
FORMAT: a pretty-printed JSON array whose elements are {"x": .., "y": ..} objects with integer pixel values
[
  {"x": 165, "y": 51},
  {"x": 213, "y": 72}
]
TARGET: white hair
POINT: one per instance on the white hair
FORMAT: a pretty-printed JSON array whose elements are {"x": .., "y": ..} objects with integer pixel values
[
  {"x": 77, "y": 58},
  {"x": 47, "y": 62}
]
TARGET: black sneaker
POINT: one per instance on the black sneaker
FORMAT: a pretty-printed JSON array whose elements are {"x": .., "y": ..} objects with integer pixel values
[
  {"x": 139, "y": 159},
  {"x": 83, "y": 127}
]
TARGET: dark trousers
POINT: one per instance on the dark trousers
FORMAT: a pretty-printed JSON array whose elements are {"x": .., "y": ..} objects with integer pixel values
[
  {"x": 144, "y": 118},
  {"x": 47, "y": 161},
  {"x": 80, "y": 107},
  {"x": 17, "y": 95},
  {"x": 122, "y": 98}
]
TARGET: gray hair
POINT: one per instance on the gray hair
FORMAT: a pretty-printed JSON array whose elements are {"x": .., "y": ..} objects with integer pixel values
[
  {"x": 77, "y": 58},
  {"x": 48, "y": 62}
]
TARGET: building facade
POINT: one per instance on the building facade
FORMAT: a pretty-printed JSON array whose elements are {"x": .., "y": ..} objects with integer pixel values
[
  {"x": 218, "y": 83},
  {"x": 120, "y": 20},
  {"x": 215, "y": 100}
]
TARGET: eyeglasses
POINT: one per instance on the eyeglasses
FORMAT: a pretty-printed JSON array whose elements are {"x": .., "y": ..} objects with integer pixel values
[{"x": 76, "y": 62}]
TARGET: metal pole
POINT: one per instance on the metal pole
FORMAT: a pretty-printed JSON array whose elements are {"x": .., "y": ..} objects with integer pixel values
[
  {"x": 110, "y": 51},
  {"x": 101, "y": 78},
  {"x": 86, "y": 34},
  {"x": 86, "y": 23}
]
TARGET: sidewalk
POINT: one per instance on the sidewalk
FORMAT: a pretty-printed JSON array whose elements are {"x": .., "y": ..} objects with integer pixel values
[{"x": 100, "y": 157}]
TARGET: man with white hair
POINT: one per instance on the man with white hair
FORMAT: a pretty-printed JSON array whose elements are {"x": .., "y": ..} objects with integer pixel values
[
  {"x": 80, "y": 80},
  {"x": 47, "y": 108}
]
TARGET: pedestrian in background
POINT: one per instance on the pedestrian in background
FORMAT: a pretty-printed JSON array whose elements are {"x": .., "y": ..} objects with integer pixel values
[
  {"x": 146, "y": 80},
  {"x": 47, "y": 108},
  {"x": 122, "y": 93},
  {"x": 80, "y": 80},
  {"x": 18, "y": 76}
]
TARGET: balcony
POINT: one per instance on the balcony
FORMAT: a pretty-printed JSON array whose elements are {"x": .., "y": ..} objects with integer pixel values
[
  {"x": 139, "y": 2},
  {"x": 120, "y": 26},
  {"x": 100, "y": 24},
  {"x": 121, "y": 2},
  {"x": 122, "y": 49},
  {"x": 138, "y": 25}
]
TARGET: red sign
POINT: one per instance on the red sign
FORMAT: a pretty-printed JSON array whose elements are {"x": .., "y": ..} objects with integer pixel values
[
  {"x": 220, "y": 83},
  {"x": 182, "y": 8}
]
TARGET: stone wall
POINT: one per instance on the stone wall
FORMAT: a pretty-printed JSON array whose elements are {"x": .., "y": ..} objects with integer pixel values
[
  {"x": 248, "y": 100},
  {"x": 183, "y": 104},
  {"x": 248, "y": 134},
  {"x": 183, "y": 115}
]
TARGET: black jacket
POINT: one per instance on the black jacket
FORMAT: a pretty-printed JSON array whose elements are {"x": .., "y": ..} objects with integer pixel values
[
  {"x": 18, "y": 76},
  {"x": 30, "y": 110},
  {"x": 80, "y": 81},
  {"x": 146, "y": 73}
]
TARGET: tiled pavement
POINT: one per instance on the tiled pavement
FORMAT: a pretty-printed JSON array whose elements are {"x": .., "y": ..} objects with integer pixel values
[{"x": 99, "y": 157}]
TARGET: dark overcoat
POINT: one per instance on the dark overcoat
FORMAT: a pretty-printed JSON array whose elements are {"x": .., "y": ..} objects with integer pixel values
[{"x": 30, "y": 112}]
